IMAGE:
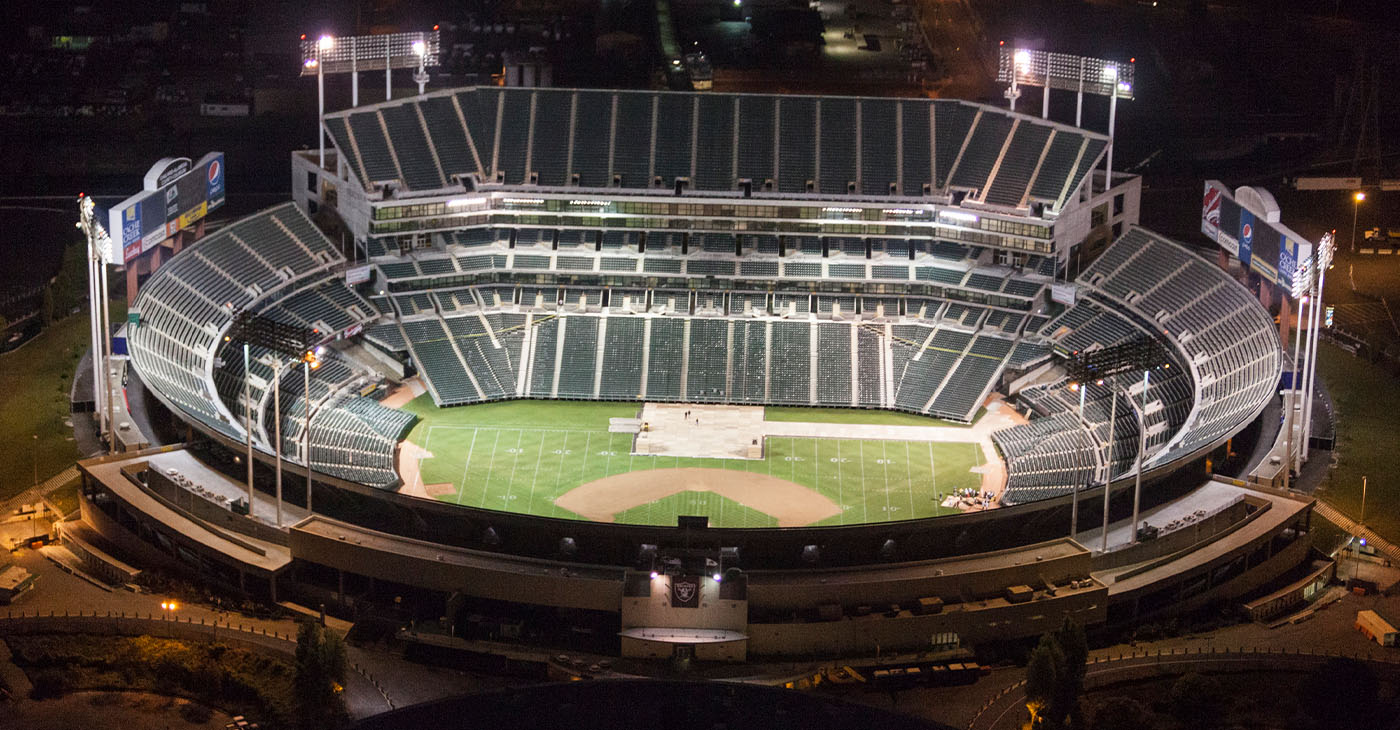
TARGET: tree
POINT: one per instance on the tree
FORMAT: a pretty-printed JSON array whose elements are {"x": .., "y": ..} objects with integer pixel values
[
  {"x": 320, "y": 677},
  {"x": 1055, "y": 677},
  {"x": 1070, "y": 637},
  {"x": 1044, "y": 675},
  {"x": 1342, "y": 693},
  {"x": 1197, "y": 701}
]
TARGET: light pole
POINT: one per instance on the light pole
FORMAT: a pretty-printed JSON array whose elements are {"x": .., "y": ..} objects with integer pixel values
[
  {"x": 1083, "y": 388},
  {"x": 309, "y": 362},
  {"x": 36, "y": 459},
  {"x": 1362, "y": 522},
  {"x": 420, "y": 49},
  {"x": 248, "y": 422},
  {"x": 324, "y": 44},
  {"x": 1323, "y": 259},
  {"x": 1142, "y": 448},
  {"x": 1020, "y": 61},
  {"x": 99, "y": 245},
  {"x": 277, "y": 430},
  {"x": 1108, "y": 473},
  {"x": 1292, "y": 401},
  {"x": 1356, "y": 199},
  {"x": 1110, "y": 73}
]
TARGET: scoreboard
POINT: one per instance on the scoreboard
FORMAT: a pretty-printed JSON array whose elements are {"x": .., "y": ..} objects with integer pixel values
[
  {"x": 1266, "y": 247},
  {"x": 176, "y": 194}
]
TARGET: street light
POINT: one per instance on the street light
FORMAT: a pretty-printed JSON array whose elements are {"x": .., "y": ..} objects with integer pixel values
[{"x": 1356, "y": 200}]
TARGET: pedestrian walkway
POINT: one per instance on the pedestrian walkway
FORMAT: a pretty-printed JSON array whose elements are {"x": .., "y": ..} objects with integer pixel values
[{"x": 1382, "y": 546}]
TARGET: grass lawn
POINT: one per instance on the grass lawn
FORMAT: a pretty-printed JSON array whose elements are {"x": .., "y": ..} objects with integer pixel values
[
  {"x": 857, "y": 415},
  {"x": 65, "y": 498},
  {"x": 34, "y": 385},
  {"x": 520, "y": 455},
  {"x": 1367, "y": 403}
]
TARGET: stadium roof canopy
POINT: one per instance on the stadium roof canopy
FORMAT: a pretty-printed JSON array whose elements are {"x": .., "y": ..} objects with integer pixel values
[{"x": 623, "y": 142}]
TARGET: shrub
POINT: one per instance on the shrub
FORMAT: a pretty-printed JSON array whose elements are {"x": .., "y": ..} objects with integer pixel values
[{"x": 195, "y": 713}]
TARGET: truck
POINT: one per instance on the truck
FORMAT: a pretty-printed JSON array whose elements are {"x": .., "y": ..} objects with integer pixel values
[{"x": 1375, "y": 628}]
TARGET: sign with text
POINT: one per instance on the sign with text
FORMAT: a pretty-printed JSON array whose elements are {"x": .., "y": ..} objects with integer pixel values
[
  {"x": 177, "y": 195},
  {"x": 1270, "y": 249}
]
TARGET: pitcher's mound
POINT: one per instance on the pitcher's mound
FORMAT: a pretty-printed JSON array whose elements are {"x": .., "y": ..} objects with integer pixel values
[{"x": 793, "y": 505}]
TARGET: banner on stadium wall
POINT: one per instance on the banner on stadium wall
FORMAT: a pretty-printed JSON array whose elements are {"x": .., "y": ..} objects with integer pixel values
[
  {"x": 176, "y": 195},
  {"x": 1063, "y": 293},
  {"x": 1270, "y": 249},
  {"x": 357, "y": 275},
  {"x": 685, "y": 591}
]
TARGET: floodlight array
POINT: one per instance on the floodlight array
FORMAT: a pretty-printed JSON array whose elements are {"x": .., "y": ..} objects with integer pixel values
[
  {"x": 1142, "y": 353},
  {"x": 330, "y": 54},
  {"x": 1067, "y": 72},
  {"x": 287, "y": 339}
]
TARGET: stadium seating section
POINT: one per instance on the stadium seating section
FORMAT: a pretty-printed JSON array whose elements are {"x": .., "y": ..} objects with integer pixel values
[
  {"x": 277, "y": 264},
  {"x": 641, "y": 139},
  {"x": 1223, "y": 361}
]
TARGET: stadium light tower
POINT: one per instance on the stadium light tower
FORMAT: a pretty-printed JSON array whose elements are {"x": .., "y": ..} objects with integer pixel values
[
  {"x": 420, "y": 49},
  {"x": 323, "y": 44},
  {"x": 1080, "y": 74},
  {"x": 353, "y": 54},
  {"x": 1324, "y": 251},
  {"x": 1082, "y": 389},
  {"x": 99, "y": 323},
  {"x": 283, "y": 339},
  {"x": 1144, "y": 354}
]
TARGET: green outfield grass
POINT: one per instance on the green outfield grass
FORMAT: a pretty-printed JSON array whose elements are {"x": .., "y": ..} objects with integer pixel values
[
  {"x": 34, "y": 385},
  {"x": 1367, "y": 401},
  {"x": 520, "y": 455}
]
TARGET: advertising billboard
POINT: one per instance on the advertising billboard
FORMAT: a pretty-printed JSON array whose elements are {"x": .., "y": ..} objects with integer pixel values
[
  {"x": 177, "y": 194},
  {"x": 1270, "y": 249}
]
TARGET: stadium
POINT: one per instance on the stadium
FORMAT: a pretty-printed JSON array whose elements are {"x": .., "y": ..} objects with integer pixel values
[{"x": 704, "y": 375}]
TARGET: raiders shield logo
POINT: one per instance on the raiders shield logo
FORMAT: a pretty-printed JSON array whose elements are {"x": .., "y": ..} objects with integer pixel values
[{"x": 685, "y": 591}]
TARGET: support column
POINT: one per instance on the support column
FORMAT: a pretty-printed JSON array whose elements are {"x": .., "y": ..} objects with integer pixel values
[
  {"x": 1285, "y": 315},
  {"x": 1112, "y": 117},
  {"x": 1108, "y": 471}
]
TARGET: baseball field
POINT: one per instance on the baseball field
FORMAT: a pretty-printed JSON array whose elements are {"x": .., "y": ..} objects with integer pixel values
[{"x": 559, "y": 459}]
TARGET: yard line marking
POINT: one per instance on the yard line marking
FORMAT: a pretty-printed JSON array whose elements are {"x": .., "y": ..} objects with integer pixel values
[
  {"x": 510, "y": 483},
  {"x": 865, "y": 508},
  {"x": 539, "y": 454},
  {"x": 886, "y": 466},
  {"x": 909, "y": 479},
  {"x": 583, "y": 470},
  {"x": 840, "y": 486},
  {"x": 559, "y": 472},
  {"x": 490, "y": 469},
  {"x": 933, "y": 480},
  {"x": 607, "y": 466},
  {"x": 462, "y": 488}
]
